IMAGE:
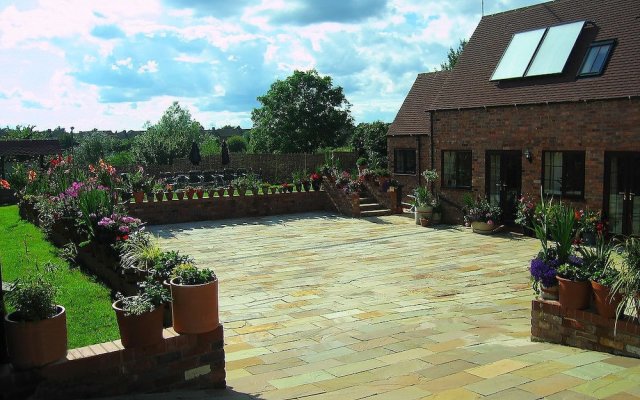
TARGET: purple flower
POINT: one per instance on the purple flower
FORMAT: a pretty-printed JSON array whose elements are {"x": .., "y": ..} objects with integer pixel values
[
  {"x": 544, "y": 272},
  {"x": 106, "y": 222},
  {"x": 124, "y": 229},
  {"x": 575, "y": 260}
]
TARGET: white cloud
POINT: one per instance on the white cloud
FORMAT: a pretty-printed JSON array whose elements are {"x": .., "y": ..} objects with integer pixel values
[{"x": 150, "y": 67}]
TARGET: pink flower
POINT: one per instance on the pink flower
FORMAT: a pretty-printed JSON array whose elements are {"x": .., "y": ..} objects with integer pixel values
[{"x": 489, "y": 222}]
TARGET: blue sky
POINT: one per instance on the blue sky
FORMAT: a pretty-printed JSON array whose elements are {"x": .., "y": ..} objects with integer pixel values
[{"x": 119, "y": 63}]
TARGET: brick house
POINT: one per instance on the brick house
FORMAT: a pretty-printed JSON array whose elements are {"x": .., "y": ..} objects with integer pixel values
[{"x": 545, "y": 96}]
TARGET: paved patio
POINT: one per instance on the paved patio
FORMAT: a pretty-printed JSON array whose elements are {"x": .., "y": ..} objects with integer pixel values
[{"x": 325, "y": 307}]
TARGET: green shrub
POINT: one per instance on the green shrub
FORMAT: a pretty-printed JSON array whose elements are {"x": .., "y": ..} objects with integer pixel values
[
  {"x": 33, "y": 297},
  {"x": 237, "y": 144},
  {"x": 188, "y": 274}
]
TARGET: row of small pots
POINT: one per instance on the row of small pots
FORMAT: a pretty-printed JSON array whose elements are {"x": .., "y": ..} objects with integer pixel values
[
  {"x": 576, "y": 295},
  {"x": 37, "y": 343}
]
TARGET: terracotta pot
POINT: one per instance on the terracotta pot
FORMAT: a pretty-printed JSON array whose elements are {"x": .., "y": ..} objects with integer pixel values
[
  {"x": 483, "y": 228},
  {"x": 212, "y": 193},
  {"x": 150, "y": 197},
  {"x": 139, "y": 330},
  {"x": 424, "y": 222},
  {"x": 195, "y": 307},
  {"x": 574, "y": 295},
  {"x": 180, "y": 195},
  {"x": 549, "y": 293},
  {"x": 230, "y": 191},
  {"x": 190, "y": 193},
  {"x": 242, "y": 191},
  {"x": 273, "y": 190},
  {"x": 159, "y": 196},
  {"x": 220, "y": 192},
  {"x": 606, "y": 305},
  {"x": 169, "y": 195},
  {"x": 200, "y": 193},
  {"x": 138, "y": 197},
  {"x": 34, "y": 344},
  {"x": 306, "y": 186},
  {"x": 315, "y": 185},
  {"x": 298, "y": 187}
]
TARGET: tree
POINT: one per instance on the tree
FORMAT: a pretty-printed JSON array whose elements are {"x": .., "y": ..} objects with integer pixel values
[
  {"x": 453, "y": 55},
  {"x": 168, "y": 139},
  {"x": 237, "y": 144},
  {"x": 302, "y": 113},
  {"x": 370, "y": 141}
]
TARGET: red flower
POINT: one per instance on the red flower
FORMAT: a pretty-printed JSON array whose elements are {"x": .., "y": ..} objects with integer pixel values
[
  {"x": 578, "y": 215},
  {"x": 4, "y": 184},
  {"x": 599, "y": 227}
]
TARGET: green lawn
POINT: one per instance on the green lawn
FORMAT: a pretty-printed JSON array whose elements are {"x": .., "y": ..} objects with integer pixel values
[{"x": 90, "y": 318}]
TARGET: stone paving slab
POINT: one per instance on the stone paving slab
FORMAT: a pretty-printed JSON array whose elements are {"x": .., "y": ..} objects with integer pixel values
[{"x": 320, "y": 306}]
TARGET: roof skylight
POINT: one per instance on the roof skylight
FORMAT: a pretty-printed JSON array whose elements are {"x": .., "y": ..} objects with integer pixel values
[{"x": 539, "y": 52}]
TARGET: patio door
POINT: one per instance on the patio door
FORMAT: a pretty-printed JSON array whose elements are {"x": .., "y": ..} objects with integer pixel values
[
  {"x": 504, "y": 181},
  {"x": 622, "y": 192}
]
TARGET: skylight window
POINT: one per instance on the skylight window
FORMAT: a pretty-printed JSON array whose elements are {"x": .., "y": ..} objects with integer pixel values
[
  {"x": 539, "y": 52},
  {"x": 516, "y": 58},
  {"x": 555, "y": 49},
  {"x": 596, "y": 58}
]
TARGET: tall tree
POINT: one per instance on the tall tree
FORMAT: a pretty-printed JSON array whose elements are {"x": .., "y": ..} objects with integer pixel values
[
  {"x": 370, "y": 140},
  {"x": 453, "y": 55},
  {"x": 169, "y": 138},
  {"x": 302, "y": 113}
]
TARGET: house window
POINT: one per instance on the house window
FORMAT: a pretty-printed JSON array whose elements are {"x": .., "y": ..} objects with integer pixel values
[
  {"x": 596, "y": 58},
  {"x": 563, "y": 173},
  {"x": 456, "y": 169},
  {"x": 405, "y": 161}
]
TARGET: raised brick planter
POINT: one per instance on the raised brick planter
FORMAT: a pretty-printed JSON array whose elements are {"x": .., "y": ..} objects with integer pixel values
[
  {"x": 215, "y": 208},
  {"x": 107, "y": 369},
  {"x": 583, "y": 329}
]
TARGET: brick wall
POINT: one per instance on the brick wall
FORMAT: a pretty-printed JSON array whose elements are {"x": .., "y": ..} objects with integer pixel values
[
  {"x": 175, "y": 211},
  {"x": 107, "y": 369},
  {"x": 275, "y": 168},
  {"x": 346, "y": 204},
  {"x": 594, "y": 126},
  {"x": 421, "y": 144},
  {"x": 583, "y": 329}
]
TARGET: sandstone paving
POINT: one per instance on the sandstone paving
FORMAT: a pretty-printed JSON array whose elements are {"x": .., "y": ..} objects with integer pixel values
[{"x": 319, "y": 306}]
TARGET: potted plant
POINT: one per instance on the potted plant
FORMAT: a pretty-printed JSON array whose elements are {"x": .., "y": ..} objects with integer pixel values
[
  {"x": 36, "y": 330},
  {"x": 168, "y": 191},
  {"x": 180, "y": 194},
  {"x": 599, "y": 261},
  {"x": 199, "y": 192},
  {"x": 316, "y": 181},
  {"x": 274, "y": 188},
  {"x": 589, "y": 224},
  {"x": 422, "y": 203},
  {"x": 190, "y": 192},
  {"x": 297, "y": 180},
  {"x": 140, "y": 317},
  {"x": 383, "y": 175},
  {"x": 194, "y": 294},
  {"x": 483, "y": 216},
  {"x": 158, "y": 189},
  {"x": 139, "y": 183},
  {"x": 424, "y": 222},
  {"x": 437, "y": 210},
  {"x": 524, "y": 214},
  {"x": 265, "y": 188},
  {"x": 220, "y": 191},
  {"x": 627, "y": 283},
  {"x": 543, "y": 274}
]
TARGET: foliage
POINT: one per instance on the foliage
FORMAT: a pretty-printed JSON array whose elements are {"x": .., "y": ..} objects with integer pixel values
[
  {"x": 562, "y": 231},
  {"x": 138, "y": 181},
  {"x": 453, "y": 56},
  {"x": 361, "y": 162},
  {"x": 150, "y": 296},
  {"x": 237, "y": 144},
  {"x": 247, "y": 182},
  {"x": 33, "y": 296},
  {"x": 119, "y": 226},
  {"x": 589, "y": 221},
  {"x": 93, "y": 147},
  {"x": 430, "y": 176},
  {"x": 483, "y": 211},
  {"x": 574, "y": 269},
  {"x": 543, "y": 272},
  {"x": 189, "y": 274},
  {"x": 370, "y": 141},
  {"x": 599, "y": 261},
  {"x": 93, "y": 203},
  {"x": 525, "y": 211},
  {"x": 121, "y": 159},
  {"x": 170, "y": 138},
  {"x": 628, "y": 281},
  {"x": 139, "y": 252},
  {"x": 302, "y": 113},
  {"x": 21, "y": 133},
  {"x": 210, "y": 146},
  {"x": 167, "y": 262},
  {"x": 422, "y": 197}
]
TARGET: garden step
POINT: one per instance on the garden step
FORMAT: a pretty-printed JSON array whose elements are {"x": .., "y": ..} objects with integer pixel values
[
  {"x": 366, "y": 200},
  {"x": 370, "y": 206},
  {"x": 375, "y": 213}
]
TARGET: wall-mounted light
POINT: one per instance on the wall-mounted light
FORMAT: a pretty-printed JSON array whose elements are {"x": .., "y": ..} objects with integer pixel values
[{"x": 528, "y": 155}]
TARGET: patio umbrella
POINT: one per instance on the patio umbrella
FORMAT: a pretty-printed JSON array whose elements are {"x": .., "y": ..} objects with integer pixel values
[
  {"x": 194, "y": 154},
  {"x": 225, "y": 153}
]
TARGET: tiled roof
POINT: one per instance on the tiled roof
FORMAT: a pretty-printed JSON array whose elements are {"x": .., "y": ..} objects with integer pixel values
[
  {"x": 412, "y": 119},
  {"x": 29, "y": 147},
  {"x": 469, "y": 84}
]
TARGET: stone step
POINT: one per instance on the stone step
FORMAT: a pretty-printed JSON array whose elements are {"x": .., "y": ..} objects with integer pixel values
[
  {"x": 375, "y": 213},
  {"x": 366, "y": 199},
  {"x": 371, "y": 206}
]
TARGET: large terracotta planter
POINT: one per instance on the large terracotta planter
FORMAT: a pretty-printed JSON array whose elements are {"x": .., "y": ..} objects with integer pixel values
[
  {"x": 483, "y": 228},
  {"x": 139, "y": 330},
  {"x": 606, "y": 305},
  {"x": 138, "y": 197},
  {"x": 574, "y": 295},
  {"x": 195, "y": 307},
  {"x": 34, "y": 344}
]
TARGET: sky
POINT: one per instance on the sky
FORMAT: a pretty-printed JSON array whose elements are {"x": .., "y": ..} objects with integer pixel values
[{"x": 116, "y": 64}]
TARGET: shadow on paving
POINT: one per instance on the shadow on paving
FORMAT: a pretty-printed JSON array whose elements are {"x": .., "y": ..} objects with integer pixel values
[{"x": 227, "y": 394}]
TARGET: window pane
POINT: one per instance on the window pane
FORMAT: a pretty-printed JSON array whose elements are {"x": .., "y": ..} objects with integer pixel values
[
  {"x": 449, "y": 168},
  {"x": 464, "y": 169},
  {"x": 555, "y": 49},
  {"x": 596, "y": 58},
  {"x": 598, "y": 65},
  {"x": 573, "y": 178},
  {"x": 456, "y": 169},
  {"x": 518, "y": 54},
  {"x": 405, "y": 161}
]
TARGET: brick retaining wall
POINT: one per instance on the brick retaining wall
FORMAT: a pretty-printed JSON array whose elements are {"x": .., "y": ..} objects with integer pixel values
[
  {"x": 107, "y": 369},
  {"x": 176, "y": 211},
  {"x": 583, "y": 329}
]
